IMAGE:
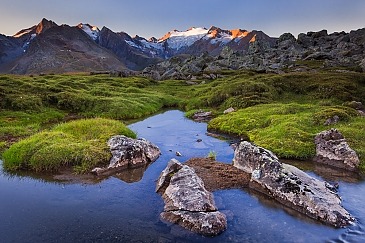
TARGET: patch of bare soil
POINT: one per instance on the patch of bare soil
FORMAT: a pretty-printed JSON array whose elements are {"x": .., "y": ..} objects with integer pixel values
[{"x": 217, "y": 175}]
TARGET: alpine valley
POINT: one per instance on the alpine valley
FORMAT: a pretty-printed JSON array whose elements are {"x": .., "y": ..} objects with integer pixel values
[
  {"x": 92, "y": 121},
  {"x": 51, "y": 48}
]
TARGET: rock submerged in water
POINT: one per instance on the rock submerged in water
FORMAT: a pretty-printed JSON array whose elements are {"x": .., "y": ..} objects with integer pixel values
[
  {"x": 128, "y": 153},
  {"x": 332, "y": 149},
  {"x": 290, "y": 186},
  {"x": 187, "y": 202}
]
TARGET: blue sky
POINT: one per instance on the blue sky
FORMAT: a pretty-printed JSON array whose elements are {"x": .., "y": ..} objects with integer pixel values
[{"x": 156, "y": 17}]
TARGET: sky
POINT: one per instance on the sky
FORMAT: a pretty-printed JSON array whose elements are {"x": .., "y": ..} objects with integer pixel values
[{"x": 149, "y": 18}]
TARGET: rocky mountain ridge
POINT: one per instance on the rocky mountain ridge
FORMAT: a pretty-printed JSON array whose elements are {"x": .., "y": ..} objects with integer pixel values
[{"x": 48, "y": 47}]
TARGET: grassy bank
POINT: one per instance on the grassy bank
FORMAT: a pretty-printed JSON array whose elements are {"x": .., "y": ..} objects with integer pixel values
[
  {"x": 281, "y": 112},
  {"x": 289, "y": 129},
  {"x": 80, "y": 144}
]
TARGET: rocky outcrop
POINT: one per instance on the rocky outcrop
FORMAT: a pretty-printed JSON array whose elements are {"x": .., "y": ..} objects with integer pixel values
[
  {"x": 310, "y": 51},
  {"x": 128, "y": 153},
  {"x": 290, "y": 186},
  {"x": 187, "y": 202},
  {"x": 332, "y": 149},
  {"x": 202, "y": 116}
]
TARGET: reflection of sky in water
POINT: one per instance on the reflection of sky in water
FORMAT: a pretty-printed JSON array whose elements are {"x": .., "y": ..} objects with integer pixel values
[
  {"x": 113, "y": 210},
  {"x": 172, "y": 131}
]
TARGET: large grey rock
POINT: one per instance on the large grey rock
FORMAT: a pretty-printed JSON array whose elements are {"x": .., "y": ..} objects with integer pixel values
[
  {"x": 290, "y": 186},
  {"x": 187, "y": 202},
  {"x": 332, "y": 149},
  {"x": 205, "y": 223},
  {"x": 129, "y": 153}
]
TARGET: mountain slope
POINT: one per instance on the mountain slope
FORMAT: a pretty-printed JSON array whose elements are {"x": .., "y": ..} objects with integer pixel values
[
  {"x": 130, "y": 51},
  {"x": 62, "y": 49},
  {"x": 10, "y": 49}
]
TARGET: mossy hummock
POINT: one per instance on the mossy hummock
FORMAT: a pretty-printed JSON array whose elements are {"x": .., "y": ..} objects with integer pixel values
[{"x": 81, "y": 144}]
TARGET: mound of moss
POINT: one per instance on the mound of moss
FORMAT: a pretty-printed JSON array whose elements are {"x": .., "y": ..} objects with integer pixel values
[
  {"x": 89, "y": 96},
  {"x": 289, "y": 129},
  {"x": 81, "y": 144}
]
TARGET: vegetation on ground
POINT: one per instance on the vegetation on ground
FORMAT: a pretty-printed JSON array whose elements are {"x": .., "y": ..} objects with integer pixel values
[
  {"x": 281, "y": 112},
  {"x": 81, "y": 144},
  {"x": 212, "y": 155},
  {"x": 289, "y": 129}
]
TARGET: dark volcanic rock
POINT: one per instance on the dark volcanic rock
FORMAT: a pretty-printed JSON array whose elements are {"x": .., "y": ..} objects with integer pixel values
[
  {"x": 290, "y": 186},
  {"x": 187, "y": 202},
  {"x": 128, "y": 153},
  {"x": 332, "y": 149}
]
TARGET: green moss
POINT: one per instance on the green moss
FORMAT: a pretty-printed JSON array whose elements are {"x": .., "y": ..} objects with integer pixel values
[
  {"x": 19, "y": 123},
  {"x": 79, "y": 143},
  {"x": 91, "y": 96},
  {"x": 344, "y": 113},
  {"x": 287, "y": 129},
  {"x": 281, "y": 108}
]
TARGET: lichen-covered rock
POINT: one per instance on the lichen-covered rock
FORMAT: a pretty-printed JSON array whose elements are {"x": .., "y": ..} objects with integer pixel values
[
  {"x": 205, "y": 223},
  {"x": 187, "y": 202},
  {"x": 332, "y": 149},
  {"x": 202, "y": 116},
  {"x": 129, "y": 153},
  {"x": 172, "y": 167},
  {"x": 290, "y": 186}
]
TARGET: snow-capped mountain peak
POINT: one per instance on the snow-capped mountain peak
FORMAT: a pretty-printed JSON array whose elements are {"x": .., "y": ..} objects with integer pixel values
[
  {"x": 179, "y": 39},
  {"x": 92, "y": 31}
]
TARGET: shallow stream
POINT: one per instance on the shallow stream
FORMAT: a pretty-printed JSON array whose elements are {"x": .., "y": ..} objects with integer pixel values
[{"x": 126, "y": 208}]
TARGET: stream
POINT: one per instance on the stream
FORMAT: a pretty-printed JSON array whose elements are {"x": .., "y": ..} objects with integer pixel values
[{"x": 125, "y": 208}]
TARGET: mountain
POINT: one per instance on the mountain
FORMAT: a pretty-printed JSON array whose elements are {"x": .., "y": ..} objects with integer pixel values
[
  {"x": 196, "y": 41},
  {"x": 48, "y": 47}
]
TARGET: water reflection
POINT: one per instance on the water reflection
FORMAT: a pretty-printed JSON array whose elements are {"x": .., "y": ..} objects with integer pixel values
[
  {"x": 67, "y": 176},
  {"x": 329, "y": 174}
]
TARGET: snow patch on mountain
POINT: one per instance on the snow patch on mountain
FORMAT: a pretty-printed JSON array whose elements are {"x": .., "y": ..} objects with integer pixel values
[
  {"x": 179, "y": 39},
  {"x": 223, "y": 39},
  {"x": 152, "y": 45},
  {"x": 190, "y": 32},
  {"x": 92, "y": 31},
  {"x": 131, "y": 43}
]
